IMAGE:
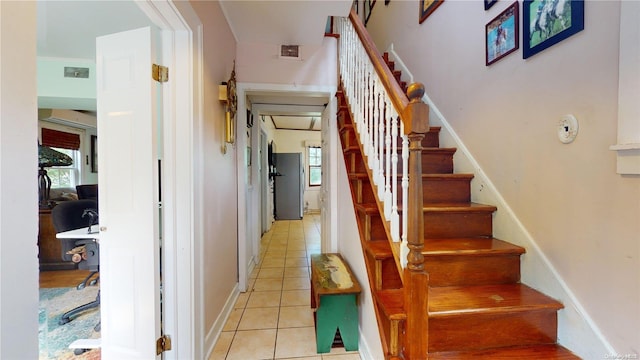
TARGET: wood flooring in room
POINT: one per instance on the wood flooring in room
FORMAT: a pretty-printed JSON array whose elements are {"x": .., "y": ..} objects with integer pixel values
[{"x": 62, "y": 278}]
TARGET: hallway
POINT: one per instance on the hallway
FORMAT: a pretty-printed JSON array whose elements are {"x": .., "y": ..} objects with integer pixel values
[{"x": 274, "y": 319}]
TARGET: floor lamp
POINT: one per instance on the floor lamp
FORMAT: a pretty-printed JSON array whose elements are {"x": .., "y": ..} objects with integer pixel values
[{"x": 47, "y": 157}]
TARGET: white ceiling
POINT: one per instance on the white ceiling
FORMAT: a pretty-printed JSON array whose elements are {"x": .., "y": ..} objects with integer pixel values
[
  {"x": 300, "y": 22},
  {"x": 67, "y": 29},
  {"x": 282, "y": 22}
]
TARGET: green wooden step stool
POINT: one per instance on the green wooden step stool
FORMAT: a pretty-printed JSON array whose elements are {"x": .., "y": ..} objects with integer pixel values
[{"x": 334, "y": 292}]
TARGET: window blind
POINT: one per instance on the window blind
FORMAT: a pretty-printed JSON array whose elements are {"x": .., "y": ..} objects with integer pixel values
[{"x": 60, "y": 139}]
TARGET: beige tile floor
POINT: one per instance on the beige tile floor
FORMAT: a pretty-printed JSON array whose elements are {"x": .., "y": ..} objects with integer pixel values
[{"x": 273, "y": 320}]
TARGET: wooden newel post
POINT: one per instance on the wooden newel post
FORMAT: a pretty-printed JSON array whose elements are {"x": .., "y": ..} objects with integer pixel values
[{"x": 416, "y": 280}]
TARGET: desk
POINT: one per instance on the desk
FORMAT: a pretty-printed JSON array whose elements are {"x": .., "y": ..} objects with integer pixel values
[
  {"x": 80, "y": 234},
  {"x": 49, "y": 248},
  {"x": 81, "y": 345}
]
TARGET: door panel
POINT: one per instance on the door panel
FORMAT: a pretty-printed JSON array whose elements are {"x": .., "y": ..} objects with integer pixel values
[{"x": 128, "y": 183}]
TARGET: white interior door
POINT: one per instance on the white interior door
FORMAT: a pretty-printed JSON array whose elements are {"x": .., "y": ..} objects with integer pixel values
[{"x": 128, "y": 193}]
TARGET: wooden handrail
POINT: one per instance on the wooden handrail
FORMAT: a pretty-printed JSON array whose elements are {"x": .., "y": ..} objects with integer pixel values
[{"x": 398, "y": 97}]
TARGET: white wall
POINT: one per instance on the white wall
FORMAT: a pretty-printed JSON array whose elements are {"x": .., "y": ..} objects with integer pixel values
[
  {"x": 259, "y": 63},
  {"x": 18, "y": 195},
  {"x": 351, "y": 250},
  {"x": 293, "y": 141},
  {"x": 219, "y": 199},
  {"x": 59, "y": 92},
  {"x": 571, "y": 204}
]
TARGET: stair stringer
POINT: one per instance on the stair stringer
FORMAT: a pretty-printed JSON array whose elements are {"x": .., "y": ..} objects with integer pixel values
[
  {"x": 576, "y": 329},
  {"x": 349, "y": 246}
]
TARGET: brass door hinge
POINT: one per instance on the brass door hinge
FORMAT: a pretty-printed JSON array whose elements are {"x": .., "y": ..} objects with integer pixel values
[
  {"x": 160, "y": 73},
  {"x": 163, "y": 344}
]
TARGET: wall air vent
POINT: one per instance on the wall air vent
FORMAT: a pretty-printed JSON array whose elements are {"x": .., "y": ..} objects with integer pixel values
[
  {"x": 76, "y": 72},
  {"x": 290, "y": 51}
]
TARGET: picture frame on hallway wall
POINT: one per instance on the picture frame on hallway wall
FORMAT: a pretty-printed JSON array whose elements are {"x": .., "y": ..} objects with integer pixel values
[
  {"x": 94, "y": 154},
  {"x": 489, "y": 3},
  {"x": 427, "y": 7},
  {"x": 368, "y": 7},
  {"x": 546, "y": 23},
  {"x": 501, "y": 35}
]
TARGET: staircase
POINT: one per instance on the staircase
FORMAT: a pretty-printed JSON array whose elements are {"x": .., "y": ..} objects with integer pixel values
[{"x": 476, "y": 307}]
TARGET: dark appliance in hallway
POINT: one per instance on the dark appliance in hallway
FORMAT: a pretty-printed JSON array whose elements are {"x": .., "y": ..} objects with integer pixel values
[{"x": 289, "y": 186}]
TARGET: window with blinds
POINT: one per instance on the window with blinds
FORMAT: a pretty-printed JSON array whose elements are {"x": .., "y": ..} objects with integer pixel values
[
  {"x": 60, "y": 139},
  {"x": 67, "y": 143}
]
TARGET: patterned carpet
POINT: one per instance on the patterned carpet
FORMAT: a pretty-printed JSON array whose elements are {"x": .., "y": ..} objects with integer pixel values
[{"x": 54, "y": 339}]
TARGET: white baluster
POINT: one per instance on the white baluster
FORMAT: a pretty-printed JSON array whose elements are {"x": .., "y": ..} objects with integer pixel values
[
  {"x": 405, "y": 182},
  {"x": 381, "y": 144},
  {"x": 395, "y": 219},
  {"x": 374, "y": 134},
  {"x": 387, "y": 158}
]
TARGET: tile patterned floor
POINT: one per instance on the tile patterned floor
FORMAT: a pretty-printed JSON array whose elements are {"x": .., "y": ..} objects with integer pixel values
[{"x": 274, "y": 319}]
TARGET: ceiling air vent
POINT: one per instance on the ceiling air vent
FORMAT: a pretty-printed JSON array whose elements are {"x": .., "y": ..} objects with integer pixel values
[{"x": 290, "y": 51}]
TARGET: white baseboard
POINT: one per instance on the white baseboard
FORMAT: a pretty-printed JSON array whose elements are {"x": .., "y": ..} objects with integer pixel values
[
  {"x": 214, "y": 332},
  {"x": 364, "y": 349}
]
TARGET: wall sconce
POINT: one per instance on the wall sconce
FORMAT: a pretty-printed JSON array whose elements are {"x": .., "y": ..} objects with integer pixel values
[{"x": 227, "y": 93}]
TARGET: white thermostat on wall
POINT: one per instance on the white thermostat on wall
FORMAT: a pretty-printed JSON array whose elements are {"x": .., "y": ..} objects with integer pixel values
[{"x": 567, "y": 129}]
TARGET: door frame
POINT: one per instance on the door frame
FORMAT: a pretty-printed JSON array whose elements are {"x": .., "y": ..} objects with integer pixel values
[
  {"x": 249, "y": 201},
  {"x": 182, "y": 151}
]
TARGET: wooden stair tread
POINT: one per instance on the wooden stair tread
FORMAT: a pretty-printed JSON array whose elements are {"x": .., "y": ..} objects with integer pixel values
[
  {"x": 433, "y": 150},
  {"x": 351, "y": 148},
  {"x": 435, "y": 176},
  {"x": 362, "y": 175},
  {"x": 358, "y": 175},
  {"x": 346, "y": 127},
  {"x": 469, "y": 246},
  {"x": 392, "y": 303},
  {"x": 455, "y": 207},
  {"x": 379, "y": 249},
  {"x": 368, "y": 208},
  {"x": 548, "y": 352},
  {"x": 505, "y": 298}
]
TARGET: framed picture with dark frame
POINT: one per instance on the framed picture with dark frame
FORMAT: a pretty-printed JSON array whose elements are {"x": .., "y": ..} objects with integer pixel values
[
  {"x": 94, "y": 154},
  {"x": 489, "y": 3},
  {"x": 427, "y": 7},
  {"x": 501, "y": 35},
  {"x": 368, "y": 6},
  {"x": 546, "y": 23}
]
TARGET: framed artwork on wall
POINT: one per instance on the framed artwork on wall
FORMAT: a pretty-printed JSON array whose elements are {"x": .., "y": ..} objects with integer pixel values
[
  {"x": 489, "y": 3},
  {"x": 427, "y": 7},
  {"x": 368, "y": 6},
  {"x": 501, "y": 35},
  {"x": 546, "y": 23},
  {"x": 94, "y": 154}
]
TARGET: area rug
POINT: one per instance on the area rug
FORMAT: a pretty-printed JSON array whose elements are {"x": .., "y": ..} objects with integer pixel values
[{"x": 54, "y": 339}]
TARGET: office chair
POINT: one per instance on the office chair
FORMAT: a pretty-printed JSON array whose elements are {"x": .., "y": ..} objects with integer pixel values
[{"x": 70, "y": 215}]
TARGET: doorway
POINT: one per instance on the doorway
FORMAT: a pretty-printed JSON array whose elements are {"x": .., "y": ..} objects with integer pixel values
[
  {"x": 179, "y": 195},
  {"x": 283, "y": 117}
]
